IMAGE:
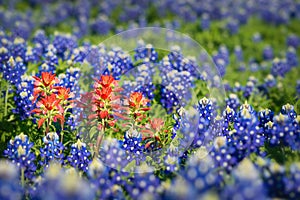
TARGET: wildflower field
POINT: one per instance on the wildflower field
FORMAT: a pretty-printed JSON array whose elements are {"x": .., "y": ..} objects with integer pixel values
[{"x": 150, "y": 99}]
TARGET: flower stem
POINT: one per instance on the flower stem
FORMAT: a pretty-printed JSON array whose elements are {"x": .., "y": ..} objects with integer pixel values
[
  {"x": 1, "y": 116},
  {"x": 61, "y": 139},
  {"x": 6, "y": 99},
  {"x": 99, "y": 139},
  {"x": 48, "y": 126}
]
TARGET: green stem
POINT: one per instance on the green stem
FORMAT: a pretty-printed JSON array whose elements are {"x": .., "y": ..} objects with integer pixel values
[
  {"x": 22, "y": 177},
  {"x": 1, "y": 116},
  {"x": 62, "y": 138},
  {"x": 99, "y": 139},
  {"x": 6, "y": 99},
  {"x": 48, "y": 126}
]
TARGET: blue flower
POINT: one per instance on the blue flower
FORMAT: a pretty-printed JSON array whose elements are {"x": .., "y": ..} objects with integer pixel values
[
  {"x": 133, "y": 146},
  {"x": 58, "y": 183},
  {"x": 198, "y": 178},
  {"x": 107, "y": 181},
  {"x": 280, "y": 67},
  {"x": 13, "y": 70},
  {"x": 52, "y": 150},
  {"x": 62, "y": 43},
  {"x": 246, "y": 183},
  {"x": 145, "y": 51},
  {"x": 19, "y": 152},
  {"x": 268, "y": 53},
  {"x": 233, "y": 101},
  {"x": 112, "y": 154},
  {"x": 24, "y": 96},
  {"x": 139, "y": 183},
  {"x": 79, "y": 156}
]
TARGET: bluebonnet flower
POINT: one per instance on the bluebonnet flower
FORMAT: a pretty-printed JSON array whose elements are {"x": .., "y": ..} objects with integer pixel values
[
  {"x": 79, "y": 156},
  {"x": 58, "y": 183},
  {"x": 291, "y": 57},
  {"x": 41, "y": 39},
  {"x": 50, "y": 62},
  {"x": 168, "y": 99},
  {"x": 238, "y": 53},
  {"x": 226, "y": 86},
  {"x": 205, "y": 22},
  {"x": 133, "y": 146},
  {"x": 22, "y": 28},
  {"x": 4, "y": 55},
  {"x": 24, "y": 96},
  {"x": 10, "y": 187},
  {"x": 249, "y": 89},
  {"x": 269, "y": 81},
  {"x": 273, "y": 176},
  {"x": 206, "y": 113},
  {"x": 78, "y": 55},
  {"x": 221, "y": 59},
  {"x": 176, "y": 81},
  {"x": 70, "y": 79},
  {"x": 107, "y": 182},
  {"x": 19, "y": 152},
  {"x": 171, "y": 159},
  {"x": 145, "y": 51},
  {"x": 117, "y": 63},
  {"x": 265, "y": 116},
  {"x": 233, "y": 26},
  {"x": 293, "y": 41},
  {"x": 233, "y": 101},
  {"x": 237, "y": 87},
  {"x": 247, "y": 183},
  {"x": 31, "y": 55},
  {"x": 101, "y": 25},
  {"x": 52, "y": 150},
  {"x": 63, "y": 43},
  {"x": 221, "y": 65},
  {"x": 142, "y": 182},
  {"x": 199, "y": 177},
  {"x": 112, "y": 154},
  {"x": 13, "y": 70},
  {"x": 289, "y": 110},
  {"x": 247, "y": 137},
  {"x": 256, "y": 37},
  {"x": 205, "y": 109},
  {"x": 223, "y": 153},
  {"x": 280, "y": 67},
  {"x": 147, "y": 90},
  {"x": 229, "y": 115},
  {"x": 283, "y": 131},
  {"x": 268, "y": 53},
  {"x": 254, "y": 67},
  {"x": 18, "y": 48}
]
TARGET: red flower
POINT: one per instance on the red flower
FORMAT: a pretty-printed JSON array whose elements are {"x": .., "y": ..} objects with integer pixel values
[
  {"x": 103, "y": 114},
  {"x": 64, "y": 93},
  {"x": 136, "y": 100},
  {"x": 51, "y": 102},
  {"x": 47, "y": 79},
  {"x": 107, "y": 80},
  {"x": 104, "y": 93},
  {"x": 49, "y": 108},
  {"x": 44, "y": 85}
]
